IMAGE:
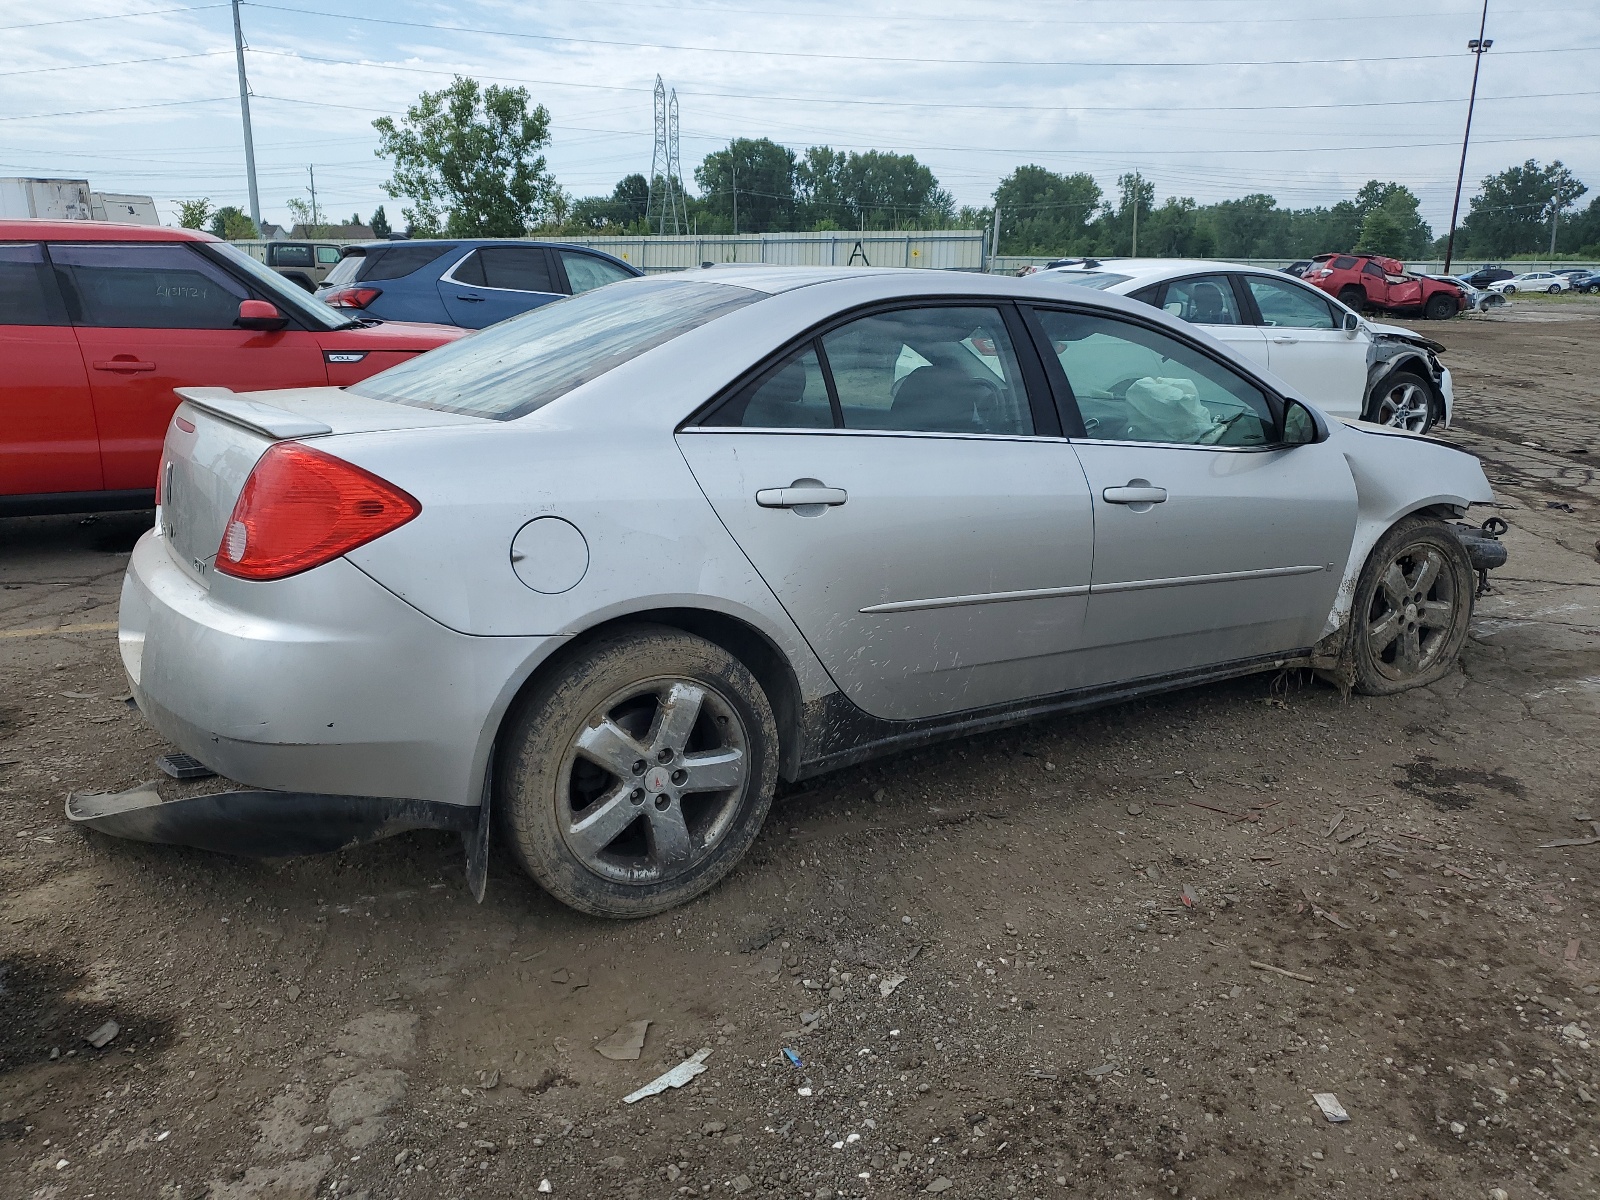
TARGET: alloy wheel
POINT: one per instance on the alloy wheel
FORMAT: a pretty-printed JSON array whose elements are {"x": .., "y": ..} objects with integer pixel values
[
  {"x": 653, "y": 780},
  {"x": 1404, "y": 405},
  {"x": 1413, "y": 613}
]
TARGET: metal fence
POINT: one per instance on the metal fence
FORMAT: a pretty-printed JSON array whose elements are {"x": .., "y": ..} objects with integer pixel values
[{"x": 941, "y": 250}]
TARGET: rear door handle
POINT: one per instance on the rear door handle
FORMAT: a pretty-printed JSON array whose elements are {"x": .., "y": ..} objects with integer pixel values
[
  {"x": 471, "y": 299},
  {"x": 124, "y": 364},
  {"x": 1135, "y": 495},
  {"x": 1286, "y": 341},
  {"x": 798, "y": 497}
]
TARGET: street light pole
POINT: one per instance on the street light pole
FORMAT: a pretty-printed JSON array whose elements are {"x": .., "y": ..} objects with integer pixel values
[
  {"x": 244, "y": 109},
  {"x": 1479, "y": 47}
]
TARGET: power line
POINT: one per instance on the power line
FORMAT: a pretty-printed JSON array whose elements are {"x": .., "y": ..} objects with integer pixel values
[
  {"x": 879, "y": 58},
  {"x": 126, "y": 62},
  {"x": 85, "y": 112},
  {"x": 154, "y": 12},
  {"x": 933, "y": 104}
]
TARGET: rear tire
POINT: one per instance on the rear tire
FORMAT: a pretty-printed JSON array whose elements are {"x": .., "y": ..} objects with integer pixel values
[
  {"x": 1402, "y": 400},
  {"x": 1440, "y": 308},
  {"x": 1353, "y": 298},
  {"x": 1413, "y": 604},
  {"x": 638, "y": 773}
]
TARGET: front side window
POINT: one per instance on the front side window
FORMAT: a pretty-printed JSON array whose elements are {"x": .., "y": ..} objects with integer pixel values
[
  {"x": 1203, "y": 300},
  {"x": 1134, "y": 384},
  {"x": 1284, "y": 304},
  {"x": 152, "y": 285},
  {"x": 929, "y": 370},
  {"x": 27, "y": 294},
  {"x": 519, "y": 365},
  {"x": 585, "y": 272}
]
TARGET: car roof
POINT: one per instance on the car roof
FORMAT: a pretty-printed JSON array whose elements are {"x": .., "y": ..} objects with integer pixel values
[
  {"x": 1157, "y": 268},
  {"x": 32, "y": 228},
  {"x": 471, "y": 243}
]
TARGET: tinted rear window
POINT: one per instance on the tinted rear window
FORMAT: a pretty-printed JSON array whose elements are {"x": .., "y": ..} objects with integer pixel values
[
  {"x": 517, "y": 366},
  {"x": 391, "y": 262},
  {"x": 27, "y": 294}
]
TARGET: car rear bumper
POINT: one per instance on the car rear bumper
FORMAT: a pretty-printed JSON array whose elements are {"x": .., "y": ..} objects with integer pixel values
[{"x": 325, "y": 682}]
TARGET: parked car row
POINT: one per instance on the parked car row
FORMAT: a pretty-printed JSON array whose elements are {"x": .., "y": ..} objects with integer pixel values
[
  {"x": 1346, "y": 365},
  {"x": 99, "y": 323}
]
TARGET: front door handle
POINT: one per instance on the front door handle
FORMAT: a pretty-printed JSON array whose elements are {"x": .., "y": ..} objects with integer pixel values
[
  {"x": 1285, "y": 341},
  {"x": 1135, "y": 494},
  {"x": 798, "y": 495},
  {"x": 124, "y": 364}
]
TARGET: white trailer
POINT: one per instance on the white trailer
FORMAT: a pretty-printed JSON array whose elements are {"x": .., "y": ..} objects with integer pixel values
[
  {"x": 124, "y": 209},
  {"x": 51, "y": 199}
]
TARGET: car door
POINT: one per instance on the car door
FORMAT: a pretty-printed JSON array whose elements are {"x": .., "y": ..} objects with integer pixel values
[
  {"x": 1213, "y": 303},
  {"x": 152, "y": 316},
  {"x": 48, "y": 440},
  {"x": 1213, "y": 543},
  {"x": 496, "y": 282},
  {"x": 912, "y": 506},
  {"x": 1308, "y": 346}
]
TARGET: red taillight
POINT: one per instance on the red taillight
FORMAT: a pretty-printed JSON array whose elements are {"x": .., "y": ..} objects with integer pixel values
[
  {"x": 301, "y": 508},
  {"x": 352, "y": 297}
]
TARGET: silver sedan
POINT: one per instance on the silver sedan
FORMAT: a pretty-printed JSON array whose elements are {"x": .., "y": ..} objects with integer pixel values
[{"x": 611, "y": 569}]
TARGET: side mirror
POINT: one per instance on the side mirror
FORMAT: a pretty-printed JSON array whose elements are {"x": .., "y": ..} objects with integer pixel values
[
  {"x": 260, "y": 315},
  {"x": 1351, "y": 322},
  {"x": 1299, "y": 426}
]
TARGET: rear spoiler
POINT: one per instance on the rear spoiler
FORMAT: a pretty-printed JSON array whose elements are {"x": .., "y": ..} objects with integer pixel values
[{"x": 254, "y": 415}]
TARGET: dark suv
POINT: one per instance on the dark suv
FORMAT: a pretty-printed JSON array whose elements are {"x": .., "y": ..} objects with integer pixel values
[{"x": 470, "y": 282}]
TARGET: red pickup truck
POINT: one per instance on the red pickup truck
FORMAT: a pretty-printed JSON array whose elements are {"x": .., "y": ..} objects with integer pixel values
[
  {"x": 99, "y": 322},
  {"x": 1372, "y": 282}
]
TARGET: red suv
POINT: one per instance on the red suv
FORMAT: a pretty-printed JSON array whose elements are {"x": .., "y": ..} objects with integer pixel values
[
  {"x": 1370, "y": 281},
  {"x": 99, "y": 322}
]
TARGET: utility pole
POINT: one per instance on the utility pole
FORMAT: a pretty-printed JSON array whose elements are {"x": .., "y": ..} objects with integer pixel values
[
  {"x": 316, "y": 216},
  {"x": 244, "y": 110},
  {"x": 1479, "y": 47},
  {"x": 1134, "y": 253},
  {"x": 1555, "y": 215},
  {"x": 734, "y": 167},
  {"x": 996, "y": 238}
]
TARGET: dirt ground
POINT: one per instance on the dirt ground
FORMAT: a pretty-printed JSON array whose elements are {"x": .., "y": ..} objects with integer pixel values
[{"x": 1133, "y": 944}]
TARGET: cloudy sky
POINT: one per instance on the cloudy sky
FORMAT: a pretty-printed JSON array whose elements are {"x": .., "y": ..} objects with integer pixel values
[{"x": 1209, "y": 98}]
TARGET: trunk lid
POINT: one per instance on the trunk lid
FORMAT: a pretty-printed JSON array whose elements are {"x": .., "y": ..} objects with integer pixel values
[{"x": 217, "y": 436}]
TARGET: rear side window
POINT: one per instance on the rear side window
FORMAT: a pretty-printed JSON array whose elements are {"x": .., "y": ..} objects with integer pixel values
[
  {"x": 585, "y": 272},
  {"x": 791, "y": 395},
  {"x": 510, "y": 268},
  {"x": 327, "y": 255},
  {"x": 27, "y": 292},
  {"x": 152, "y": 285},
  {"x": 393, "y": 262},
  {"x": 1343, "y": 263},
  {"x": 1203, "y": 300},
  {"x": 520, "y": 365}
]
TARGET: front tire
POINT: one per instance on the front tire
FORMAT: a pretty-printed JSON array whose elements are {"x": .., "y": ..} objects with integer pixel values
[
  {"x": 1552, "y": 290},
  {"x": 637, "y": 774},
  {"x": 1440, "y": 308},
  {"x": 1402, "y": 400},
  {"x": 1508, "y": 291},
  {"x": 1412, "y": 607}
]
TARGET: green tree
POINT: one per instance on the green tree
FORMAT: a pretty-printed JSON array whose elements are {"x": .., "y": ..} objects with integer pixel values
[
  {"x": 1390, "y": 223},
  {"x": 1250, "y": 227},
  {"x": 1175, "y": 231},
  {"x": 468, "y": 160},
  {"x": 755, "y": 173},
  {"x": 232, "y": 224},
  {"x": 1042, "y": 212},
  {"x": 1581, "y": 235},
  {"x": 875, "y": 190},
  {"x": 307, "y": 217},
  {"x": 193, "y": 214},
  {"x": 619, "y": 212},
  {"x": 380, "y": 222},
  {"x": 1512, "y": 212},
  {"x": 1135, "y": 193}
]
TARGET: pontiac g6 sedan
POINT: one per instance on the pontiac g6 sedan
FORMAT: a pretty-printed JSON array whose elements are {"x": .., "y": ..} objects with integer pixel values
[{"x": 611, "y": 569}]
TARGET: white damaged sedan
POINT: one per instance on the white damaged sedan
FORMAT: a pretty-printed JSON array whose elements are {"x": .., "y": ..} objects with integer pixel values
[{"x": 611, "y": 569}]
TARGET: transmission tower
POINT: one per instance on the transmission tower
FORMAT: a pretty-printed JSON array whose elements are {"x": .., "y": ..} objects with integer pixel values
[{"x": 664, "y": 166}]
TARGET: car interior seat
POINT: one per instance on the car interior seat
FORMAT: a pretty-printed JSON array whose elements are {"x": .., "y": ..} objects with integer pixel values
[
  {"x": 1207, "y": 306},
  {"x": 776, "y": 401},
  {"x": 939, "y": 400}
]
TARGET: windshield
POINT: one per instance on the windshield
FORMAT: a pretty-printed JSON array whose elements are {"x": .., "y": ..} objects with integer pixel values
[
  {"x": 297, "y": 299},
  {"x": 1099, "y": 280},
  {"x": 512, "y": 368}
]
